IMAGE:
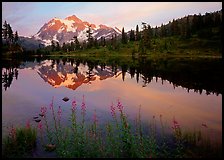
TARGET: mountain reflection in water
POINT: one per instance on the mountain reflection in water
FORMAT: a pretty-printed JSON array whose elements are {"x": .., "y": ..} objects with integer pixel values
[
  {"x": 159, "y": 85},
  {"x": 72, "y": 77},
  {"x": 192, "y": 74}
]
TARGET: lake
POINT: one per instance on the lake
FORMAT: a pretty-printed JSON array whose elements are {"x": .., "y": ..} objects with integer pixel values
[{"x": 187, "y": 89}]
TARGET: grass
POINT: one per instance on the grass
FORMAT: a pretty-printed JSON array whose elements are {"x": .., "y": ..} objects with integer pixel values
[
  {"x": 20, "y": 142},
  {"x": 119, "y": 137},
  {"x": 160, "y": 46}
]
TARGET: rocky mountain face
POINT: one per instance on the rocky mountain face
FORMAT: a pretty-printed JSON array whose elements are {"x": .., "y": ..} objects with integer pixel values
[
  {"x": 63, "y": 30},
  {"x": 30, "y": 43}
]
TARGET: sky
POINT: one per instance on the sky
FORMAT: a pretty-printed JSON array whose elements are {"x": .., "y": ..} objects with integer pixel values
[{"x": 28, "y": 17}]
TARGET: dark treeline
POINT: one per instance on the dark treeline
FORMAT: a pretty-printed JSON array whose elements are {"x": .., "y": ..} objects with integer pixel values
[
  {"x": 10, "y": 39},
  {"x": 195, "y": 74},
  {"x": 199, "y": 26}
]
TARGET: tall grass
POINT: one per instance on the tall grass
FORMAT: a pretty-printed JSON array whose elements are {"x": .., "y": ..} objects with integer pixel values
[
  {"x": 20, "y": 142},
  {"x": 118, "y": 138}
]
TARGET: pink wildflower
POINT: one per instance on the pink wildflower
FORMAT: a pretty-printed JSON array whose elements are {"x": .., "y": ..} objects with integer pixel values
[
  {"x": 12, "y": 133},
  {"x": 120, "y": 106},
  {"x": 40, "y": 125},
  {"x": 59, "y": 112},
  {"x": 175, "y": 124},
  {"x": 73, "y": 105},
  {"x": 83, "y": 107},
  {"x": 52, "y": 104},
  {"x": 43, "y": 110},
  {"x": 112, "y": 108}
]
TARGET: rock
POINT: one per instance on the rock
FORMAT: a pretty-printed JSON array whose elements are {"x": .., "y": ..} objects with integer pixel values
[
  {"x": 65, "y": 99},
  {"x": 37, "y": 120},
  {"x": 50, "y": 147},
  {"x": 35, "y": 117}
]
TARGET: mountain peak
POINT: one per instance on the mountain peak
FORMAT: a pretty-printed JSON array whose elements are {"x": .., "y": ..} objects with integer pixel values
[
  {"x": 63, "y": 30},
  {"x": 104, "y": 26},
  {"x": 74, "y": 18}
]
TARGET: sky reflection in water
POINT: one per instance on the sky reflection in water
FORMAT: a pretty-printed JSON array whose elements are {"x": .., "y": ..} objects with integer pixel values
[{"x": 23, "y": 99}]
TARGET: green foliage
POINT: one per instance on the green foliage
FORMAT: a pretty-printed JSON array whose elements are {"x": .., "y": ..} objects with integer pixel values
[
  {"x": 19, "y": 143},
  {"x": 124, "y": 37},
  {"x": 120, "y": 138}
]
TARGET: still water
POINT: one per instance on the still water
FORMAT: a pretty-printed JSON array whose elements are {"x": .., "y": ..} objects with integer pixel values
[{"x": 188, "y": 90}]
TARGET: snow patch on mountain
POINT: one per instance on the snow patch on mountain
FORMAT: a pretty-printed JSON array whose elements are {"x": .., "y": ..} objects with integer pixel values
[
  {"x": 47, "y": 42},
  {"x": 51, "y": 24},
  {"x": 82, "y": 35},
  {"x": 63, "y": 30},
  {"x": 69, "y": 25},
  {"x": 55, "y": 38}
]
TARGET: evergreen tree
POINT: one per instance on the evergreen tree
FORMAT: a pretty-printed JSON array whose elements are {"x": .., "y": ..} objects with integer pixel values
[
  {"x": 52, "y": 46},
  {"x": 162, "y": 30},
  {"x": 102, "y": 41},
  {"x": 89, "y": 37},
  {"x": 138, "y": 36},
  {"x": 132, "y": 35},
  {"x": 10, "y": 33},
  {"x": 58, "y": 48},
  {"x": 146, "y": 35},
  {"x": 217, "y": 19},
  {"x": 116, "y": 46},
  {"x": 77, "y": 45},
  {"x": 123, "y": 37},
  {"x": 156, "y": 32},
  {"x": 72, "y": 46},
  {"x": 16, "y": 37},
  {"x": 174, "y": 28},
  {"x": 112, "y": 40},
  {"x": 96, "y": 43},
  {"x": 64, "y": 48},
  {"x": 188, "y": 28},
  {"x": 5, "y": 30}
]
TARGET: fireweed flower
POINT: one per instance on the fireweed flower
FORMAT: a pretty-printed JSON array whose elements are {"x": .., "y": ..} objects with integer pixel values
[
  {"x": 40, "y": 126},
  {"x": 59, "y": 112},
  {"x": 12, "y": 133},
  {"x": 43, "y": 110},
  {"x": 112, "y": 108},
  {"x": 120, "y": 106},
  {"x": 52, "y": 104},
  {"x": 83, "y": 106},
  {"x": 175, "y": 124},
  {"x": 74, "y": 105}
]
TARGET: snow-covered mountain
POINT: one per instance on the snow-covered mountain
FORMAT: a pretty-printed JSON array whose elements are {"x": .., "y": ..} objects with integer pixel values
[
  {"x": 63, "y": 30},
  {"x": 66, "y": 75}
]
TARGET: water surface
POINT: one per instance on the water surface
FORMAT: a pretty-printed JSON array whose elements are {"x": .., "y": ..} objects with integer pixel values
[{"x": 188, "y": 90}]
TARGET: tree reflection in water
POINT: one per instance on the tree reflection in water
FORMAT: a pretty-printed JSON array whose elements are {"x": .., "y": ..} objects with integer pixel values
[{"x": 193, "y": 74}]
